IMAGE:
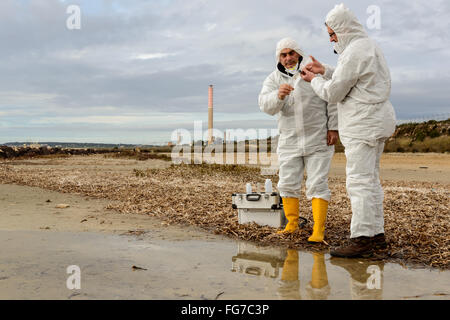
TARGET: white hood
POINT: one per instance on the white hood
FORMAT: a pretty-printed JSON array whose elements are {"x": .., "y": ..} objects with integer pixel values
[
  {"x": 287, "y": 43},
  {"x": 346, "y": 26}
]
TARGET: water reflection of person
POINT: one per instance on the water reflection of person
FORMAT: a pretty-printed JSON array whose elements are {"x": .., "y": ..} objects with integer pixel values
[
  {"x": 366, "y": 277},
  {"x": 289, "y": 288},
  {"x": 318, "y": 287}
]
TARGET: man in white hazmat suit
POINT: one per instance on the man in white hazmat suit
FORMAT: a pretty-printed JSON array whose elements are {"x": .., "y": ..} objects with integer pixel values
[
  {"x": 360, "y": 85},
  {"x": 308, "y": 132}
]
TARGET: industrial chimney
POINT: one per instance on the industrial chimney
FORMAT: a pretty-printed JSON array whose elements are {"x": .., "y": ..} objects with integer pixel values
[
  {"x": 210, "y": 115},
  {"x": 178, "y": 138}
]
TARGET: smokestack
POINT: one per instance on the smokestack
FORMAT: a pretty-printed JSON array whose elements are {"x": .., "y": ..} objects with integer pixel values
[{"x": 210, "y": 114}]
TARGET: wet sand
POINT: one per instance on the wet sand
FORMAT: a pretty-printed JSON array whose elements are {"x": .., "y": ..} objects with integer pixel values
[
  {"x": 34, "y": 266},
  {"x": 25, "y": 208},
  {"x": 39, "y": 241}
]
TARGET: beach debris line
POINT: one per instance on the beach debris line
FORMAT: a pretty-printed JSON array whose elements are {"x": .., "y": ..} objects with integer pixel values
[{"x": 417, "y": 214}]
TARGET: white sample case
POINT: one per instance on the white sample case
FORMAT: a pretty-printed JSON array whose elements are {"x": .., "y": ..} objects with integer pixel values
[{"x": 261, "y": 208}]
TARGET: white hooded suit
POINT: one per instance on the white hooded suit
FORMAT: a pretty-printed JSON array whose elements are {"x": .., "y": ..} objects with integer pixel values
[
  {"x": 360, "y": 85},
  {"x": 303, "y": 122}
]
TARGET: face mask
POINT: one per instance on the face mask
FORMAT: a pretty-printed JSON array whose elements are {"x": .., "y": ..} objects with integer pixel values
[
  {"x": 338, "y": 48},
  {"x": 293, "y": 70}
]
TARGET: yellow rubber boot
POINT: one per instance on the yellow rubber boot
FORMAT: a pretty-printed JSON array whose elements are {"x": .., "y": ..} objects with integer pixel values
[
  {"x": 291, "y": 211},
  {"x": 290, "y": 267},
  {"x": 319, "y": 277},
  {"x": 319, "y": 210}
]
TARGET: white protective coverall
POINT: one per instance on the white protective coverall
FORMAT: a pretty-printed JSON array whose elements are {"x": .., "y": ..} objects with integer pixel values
[
  {"x": 360, "y": 85},
  {"x": 303, "y": 122}
]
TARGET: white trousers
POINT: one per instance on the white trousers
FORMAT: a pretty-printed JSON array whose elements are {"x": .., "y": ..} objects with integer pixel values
[
  {"x": 317, "y": 167},
  {"x": 364, "y": 187}
]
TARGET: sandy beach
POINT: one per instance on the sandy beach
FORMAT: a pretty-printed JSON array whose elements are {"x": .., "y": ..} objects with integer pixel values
[
  {"x": 127, "y": 223},
  {"x": 137, "y": 192}
]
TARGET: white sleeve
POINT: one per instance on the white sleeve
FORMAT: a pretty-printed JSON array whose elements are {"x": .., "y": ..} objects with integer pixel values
[
  {"x": 342, "y": 81},
  {"x": 268, "y": 98},
  {"x": 329, "y": 70},
  {"x": 332, "y": 116}
]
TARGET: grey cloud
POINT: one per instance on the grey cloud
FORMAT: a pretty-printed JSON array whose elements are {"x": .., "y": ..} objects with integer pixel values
[{"x": 92, "y": 71}]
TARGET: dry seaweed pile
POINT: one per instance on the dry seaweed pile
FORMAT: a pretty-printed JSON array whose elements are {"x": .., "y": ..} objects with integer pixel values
[
  {"x": 138, "y": 155},
  {"x": 416, "y": 214}
]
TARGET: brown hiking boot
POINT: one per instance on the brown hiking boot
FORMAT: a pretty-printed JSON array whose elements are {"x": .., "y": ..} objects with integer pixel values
[
  {"x": 356, "y": 247},
  {"x": 379, "y": 242}
]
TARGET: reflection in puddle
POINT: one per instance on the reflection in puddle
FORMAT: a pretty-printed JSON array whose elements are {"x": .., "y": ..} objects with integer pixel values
[
  {"x": 258, "y": 261},
  {"x": 318, "y": 287},
  {"x": 365, "y": 276},
  {"x": 33, "y": 265},
  {"x": 290, "y": 283}
]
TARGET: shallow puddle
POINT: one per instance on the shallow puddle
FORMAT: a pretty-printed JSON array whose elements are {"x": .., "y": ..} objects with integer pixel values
[{"x": 34, "y": 266}]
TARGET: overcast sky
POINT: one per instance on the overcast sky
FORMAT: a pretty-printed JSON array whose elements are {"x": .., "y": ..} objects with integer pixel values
[{"x": 138, "y": 69}]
